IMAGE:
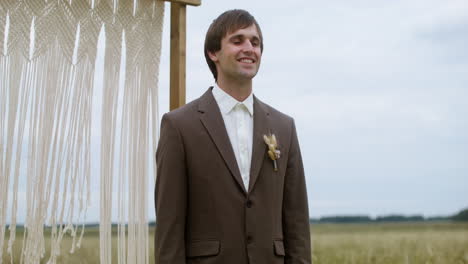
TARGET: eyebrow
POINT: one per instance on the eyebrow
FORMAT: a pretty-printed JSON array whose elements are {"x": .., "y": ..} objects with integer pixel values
[{"x": 242, "y": 36}]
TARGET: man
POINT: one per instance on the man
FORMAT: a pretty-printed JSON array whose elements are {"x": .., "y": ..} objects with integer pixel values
[{"x": 230, "y": 187}]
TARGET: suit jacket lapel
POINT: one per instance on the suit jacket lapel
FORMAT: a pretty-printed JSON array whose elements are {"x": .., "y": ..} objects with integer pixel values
[
  {"x": 259, "y": 148},
  {"x": 212, "y": 120}
]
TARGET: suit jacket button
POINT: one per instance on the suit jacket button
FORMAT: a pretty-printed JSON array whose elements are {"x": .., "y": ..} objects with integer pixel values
[
  {"x": 249, "y": 204},
  {"x": 249, "y": 239}
]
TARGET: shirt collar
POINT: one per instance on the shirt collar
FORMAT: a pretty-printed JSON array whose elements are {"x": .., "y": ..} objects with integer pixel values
[{"x": 226, "y": 102}]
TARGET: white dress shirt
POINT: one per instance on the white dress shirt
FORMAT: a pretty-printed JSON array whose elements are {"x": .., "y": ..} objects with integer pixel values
[{"x": 238, "y": 119}]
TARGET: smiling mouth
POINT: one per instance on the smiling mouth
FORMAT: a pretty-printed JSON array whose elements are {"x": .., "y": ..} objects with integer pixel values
[{"x": 246, "y": 60}]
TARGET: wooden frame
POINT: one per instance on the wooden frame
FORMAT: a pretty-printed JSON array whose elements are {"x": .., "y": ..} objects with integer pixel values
[
  {"x": 178, "y": 51},
  {"x": 186, "y": 2}
]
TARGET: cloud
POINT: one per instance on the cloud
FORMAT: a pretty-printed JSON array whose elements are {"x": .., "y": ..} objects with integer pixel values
[{"x": 378, "y": 91}]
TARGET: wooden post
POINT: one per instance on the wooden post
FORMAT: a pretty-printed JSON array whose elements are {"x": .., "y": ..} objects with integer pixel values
[
  {"x": 178, "y": 55},
  {"x": 178, "y": 51}
]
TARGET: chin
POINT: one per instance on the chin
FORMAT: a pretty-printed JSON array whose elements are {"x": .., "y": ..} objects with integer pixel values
[{"x": 248, "y": 75}]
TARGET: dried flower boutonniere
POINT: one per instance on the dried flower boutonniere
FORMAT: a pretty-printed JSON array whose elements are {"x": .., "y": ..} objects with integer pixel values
[{"x": 273, "y": 153}]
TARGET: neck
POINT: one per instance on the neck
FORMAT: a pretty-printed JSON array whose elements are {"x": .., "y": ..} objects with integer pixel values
[{"x": 239, "y": 89}]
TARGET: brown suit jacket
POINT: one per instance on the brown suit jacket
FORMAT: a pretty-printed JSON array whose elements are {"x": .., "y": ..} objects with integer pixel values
[{"x": 205, "y": 214}]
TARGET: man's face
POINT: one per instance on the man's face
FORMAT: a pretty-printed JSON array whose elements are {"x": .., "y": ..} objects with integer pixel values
[{"x": 240, "y": 55}]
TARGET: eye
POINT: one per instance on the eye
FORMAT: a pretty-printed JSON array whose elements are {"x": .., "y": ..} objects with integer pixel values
[
  {"x": 236, "y": 41},
  {"x": 255, "y": 42}
]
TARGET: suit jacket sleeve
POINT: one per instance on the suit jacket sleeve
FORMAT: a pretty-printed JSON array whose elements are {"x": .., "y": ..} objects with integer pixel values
[
  {"x": 170, "y": 196},
  {"x": 295, "y": 209}
]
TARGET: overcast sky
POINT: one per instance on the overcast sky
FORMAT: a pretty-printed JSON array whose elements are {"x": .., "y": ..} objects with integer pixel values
[{"x": 378, "y": 90}]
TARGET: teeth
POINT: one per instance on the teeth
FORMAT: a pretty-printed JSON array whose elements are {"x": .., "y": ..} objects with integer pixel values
[{"x": 247, "y": 60}]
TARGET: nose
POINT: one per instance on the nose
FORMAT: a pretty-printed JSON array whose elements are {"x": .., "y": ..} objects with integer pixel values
[{"x": 247, "y": 47}]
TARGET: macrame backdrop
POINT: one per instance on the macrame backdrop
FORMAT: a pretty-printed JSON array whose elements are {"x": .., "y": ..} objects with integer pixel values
[{"x": 47, "y": 67}]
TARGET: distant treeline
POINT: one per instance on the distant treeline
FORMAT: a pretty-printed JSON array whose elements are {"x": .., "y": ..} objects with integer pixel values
[
  {"x": 461, "y": 216},
  {"x": 365, "y": 219}
]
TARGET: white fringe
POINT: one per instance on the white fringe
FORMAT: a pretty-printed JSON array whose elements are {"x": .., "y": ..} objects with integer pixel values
[{"x": 47, "y": 67}]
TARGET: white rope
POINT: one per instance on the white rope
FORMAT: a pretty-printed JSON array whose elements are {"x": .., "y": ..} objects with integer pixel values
[{"x": 47, "y": 68}]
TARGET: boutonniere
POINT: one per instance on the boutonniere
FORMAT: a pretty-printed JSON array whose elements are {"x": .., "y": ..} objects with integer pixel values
[{"x": 273, "y": 153}]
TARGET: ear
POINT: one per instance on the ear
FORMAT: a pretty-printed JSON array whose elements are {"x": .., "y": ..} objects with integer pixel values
[{"x": 213, "y": 56}]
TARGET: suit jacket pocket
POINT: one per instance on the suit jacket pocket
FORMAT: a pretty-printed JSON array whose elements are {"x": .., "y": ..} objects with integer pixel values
[
  {"x": 203, "y": 248},
  {"x": 279, "y": 247}
]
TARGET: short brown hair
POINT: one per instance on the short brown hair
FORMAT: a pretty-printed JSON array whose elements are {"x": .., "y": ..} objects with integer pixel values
[{"x": 227, "y": 22}]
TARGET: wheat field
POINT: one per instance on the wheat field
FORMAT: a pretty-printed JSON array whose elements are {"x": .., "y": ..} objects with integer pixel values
[{"x": 382, "y": 243}]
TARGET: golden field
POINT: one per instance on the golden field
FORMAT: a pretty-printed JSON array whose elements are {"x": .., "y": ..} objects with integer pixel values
[{"x": 370, "y": 243}]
